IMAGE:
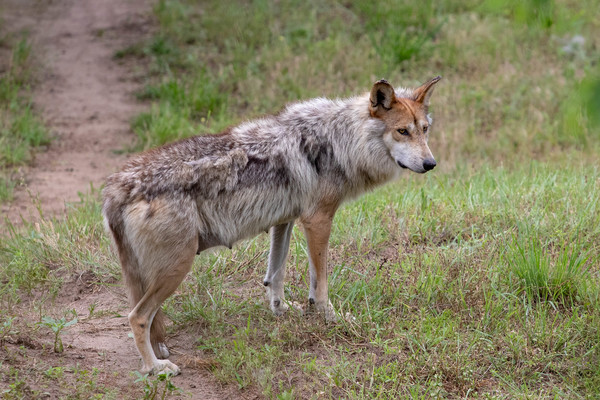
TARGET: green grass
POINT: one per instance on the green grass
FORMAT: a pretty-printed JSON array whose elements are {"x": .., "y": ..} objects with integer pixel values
[
  {"x": 477, "y": 280},
  {"x": 21, "y": 130},
  {"x": 560, "y": 278}
]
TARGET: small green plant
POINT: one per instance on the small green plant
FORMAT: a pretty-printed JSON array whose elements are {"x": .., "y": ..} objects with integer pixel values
[
  {"x": 57, "y": 325},
  {"x": 6, "y": 328},
  {"x": 159, "y": 388},
  {"x": 286, "y": 395},
  {"x": 18, "y": 389},
  {"x": 54, "y": 373},
  {"x": 91, "y": 309}
]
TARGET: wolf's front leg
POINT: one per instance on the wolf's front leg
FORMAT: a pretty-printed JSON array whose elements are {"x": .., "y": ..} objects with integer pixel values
[
  {"x": 280, "y": 243},
  {"x": 317, "y": 229}
]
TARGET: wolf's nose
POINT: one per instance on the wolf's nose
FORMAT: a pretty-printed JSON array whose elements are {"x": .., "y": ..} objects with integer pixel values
[{"x": 429, "y": 164}]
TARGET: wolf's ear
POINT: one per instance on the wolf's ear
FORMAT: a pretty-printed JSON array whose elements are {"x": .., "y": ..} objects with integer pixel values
[
  {"x": 382, "y": 95},
  {"x": 423, "y": 92}
]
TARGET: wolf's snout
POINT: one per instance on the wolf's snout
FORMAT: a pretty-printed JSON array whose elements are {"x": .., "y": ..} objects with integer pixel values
[{"x": 429, "y": 164}]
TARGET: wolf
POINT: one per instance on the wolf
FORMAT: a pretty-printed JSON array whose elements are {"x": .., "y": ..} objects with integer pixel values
[{"x": 170, "y": 203}]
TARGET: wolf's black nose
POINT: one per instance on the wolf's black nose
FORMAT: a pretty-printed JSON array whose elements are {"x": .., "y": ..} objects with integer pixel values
[{"x": 429, "y": 164}]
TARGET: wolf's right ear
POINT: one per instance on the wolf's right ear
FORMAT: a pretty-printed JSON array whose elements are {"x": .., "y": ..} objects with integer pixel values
[{"x": 382, "y": 96}]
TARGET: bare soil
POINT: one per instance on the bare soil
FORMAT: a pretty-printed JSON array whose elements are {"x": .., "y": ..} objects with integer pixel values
[
  {"x": 84, "y": 96},
  {"x": 86, "y": 99},
  {"x": 100, "y": 341}
]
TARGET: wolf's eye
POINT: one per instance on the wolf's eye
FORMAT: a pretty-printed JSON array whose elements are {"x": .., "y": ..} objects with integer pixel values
[
  {"x": 403, "y": 132},
  {"x": 425, "y": 128}
]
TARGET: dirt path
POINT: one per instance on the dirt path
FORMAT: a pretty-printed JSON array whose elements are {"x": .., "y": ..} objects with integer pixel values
[
  {"x": 87, "y": 101},
  {"x": 84, "y": 96}
]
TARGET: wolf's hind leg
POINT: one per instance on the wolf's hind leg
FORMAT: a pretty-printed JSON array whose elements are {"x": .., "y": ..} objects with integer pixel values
[
  {"x": 280, "y": 244},
  {"x": 157, "y": 336},
  {"x": 163, "y": 284}
]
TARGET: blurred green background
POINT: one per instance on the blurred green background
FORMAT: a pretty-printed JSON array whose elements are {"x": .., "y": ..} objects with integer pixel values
[{"x": 521, "y": 78}]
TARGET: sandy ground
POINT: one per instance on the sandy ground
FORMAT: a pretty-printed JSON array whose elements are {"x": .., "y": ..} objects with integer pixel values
[
  {"x": 84, "y": 96},
  {"x": 86, "y": 99}
]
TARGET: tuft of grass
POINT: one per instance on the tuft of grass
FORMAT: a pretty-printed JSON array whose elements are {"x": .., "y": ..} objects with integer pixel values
[
  {"x": 39, "y": 255},
  {"x": 557, "y": 275},
  {"x": 399, "y": 31},
  {"x": 182, "y": 109},
  {"x": 534, "y": 13},
  {"x": 580, "y": 117}
]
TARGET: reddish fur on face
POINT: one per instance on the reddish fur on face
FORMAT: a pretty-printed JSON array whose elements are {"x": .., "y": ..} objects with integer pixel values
[{"x": 402, "y": 113}]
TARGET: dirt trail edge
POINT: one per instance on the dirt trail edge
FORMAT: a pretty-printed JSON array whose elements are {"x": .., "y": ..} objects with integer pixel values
[{"x": 86, "y": 99}]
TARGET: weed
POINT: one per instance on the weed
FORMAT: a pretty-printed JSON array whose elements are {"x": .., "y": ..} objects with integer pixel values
[
  {"x": 57, "y": 326},
  {"x": 54, "y": 372},
  {"x": 91, "y": 309},
  {"x": 286, "y": 395},
  {"x": 159, "y": 387},
  {"x": 18, "y": 388},
  {"x": 6, "y": 328}
]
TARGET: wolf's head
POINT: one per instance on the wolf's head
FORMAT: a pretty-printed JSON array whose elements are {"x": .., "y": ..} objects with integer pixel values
[{"x": 407, "y": 123}]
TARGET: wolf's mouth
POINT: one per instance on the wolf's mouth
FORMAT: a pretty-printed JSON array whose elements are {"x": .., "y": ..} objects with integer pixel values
[{"x": 402, "y": 165}]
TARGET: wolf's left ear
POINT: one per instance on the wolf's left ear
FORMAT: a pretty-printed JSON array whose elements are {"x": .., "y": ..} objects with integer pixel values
[
  {"x": 423, "y": 92},
  {"x": 382, "y": 96}
]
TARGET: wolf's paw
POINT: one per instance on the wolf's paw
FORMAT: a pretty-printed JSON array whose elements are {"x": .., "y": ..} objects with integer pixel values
[
  {"x": 161, "y": 351},
  {"x": 330, "y": 314},
  {"x": 162, "y": 367},
  {"x": 325, "y": 308},
  {"x": 279, "y": 307}
]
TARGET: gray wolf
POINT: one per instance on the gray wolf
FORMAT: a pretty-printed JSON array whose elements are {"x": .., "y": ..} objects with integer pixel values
[{"x": 170, "y": 203}]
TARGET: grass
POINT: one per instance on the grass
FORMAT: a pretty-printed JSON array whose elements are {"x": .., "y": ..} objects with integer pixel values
[
  {"x": 21, "y": 130},
  {"x": 478, "y": 280},
  {"x": 560, "y": 278}
]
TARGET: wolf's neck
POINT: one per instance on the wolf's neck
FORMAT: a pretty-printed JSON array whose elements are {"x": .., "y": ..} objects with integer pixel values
[{"x": 355, "y": 138}]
